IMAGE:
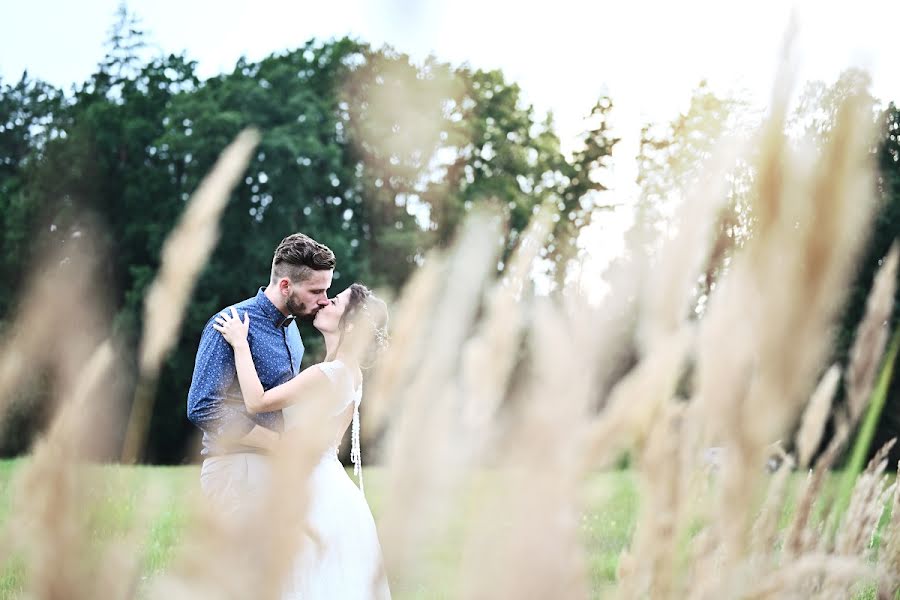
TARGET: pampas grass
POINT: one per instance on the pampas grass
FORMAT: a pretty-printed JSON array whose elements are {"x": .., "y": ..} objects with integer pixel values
[
  {"x": 184, "y": 254},
  {"x": 816, "y": 415}
]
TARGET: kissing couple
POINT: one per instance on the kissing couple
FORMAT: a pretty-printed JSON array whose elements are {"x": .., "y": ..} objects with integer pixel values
[{"x": 248, "y": 390}]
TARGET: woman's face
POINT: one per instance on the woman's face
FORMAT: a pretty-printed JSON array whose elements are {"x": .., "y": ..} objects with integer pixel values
[{"x": 329, "y": 317}]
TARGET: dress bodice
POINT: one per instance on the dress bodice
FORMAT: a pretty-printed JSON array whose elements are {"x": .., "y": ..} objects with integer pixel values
[
  {"x": 342, "y": 379},
  {"x": 347, "y": 395}
]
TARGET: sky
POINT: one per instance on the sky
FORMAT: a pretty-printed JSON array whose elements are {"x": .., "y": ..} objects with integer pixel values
[{"x": 646, "y": 54}]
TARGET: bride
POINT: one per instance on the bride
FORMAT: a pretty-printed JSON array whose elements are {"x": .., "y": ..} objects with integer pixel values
[{"x": 345, "y": 562}]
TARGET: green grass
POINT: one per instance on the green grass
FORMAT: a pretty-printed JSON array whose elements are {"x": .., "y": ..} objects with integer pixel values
[
  {"x": 607, "y": 523},
  {"x": 119, "y": 492},
  {"x": 115, "y": 496}
]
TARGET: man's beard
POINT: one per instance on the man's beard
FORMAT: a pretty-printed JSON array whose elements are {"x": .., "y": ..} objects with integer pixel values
[{"x": 299, "y": 310}]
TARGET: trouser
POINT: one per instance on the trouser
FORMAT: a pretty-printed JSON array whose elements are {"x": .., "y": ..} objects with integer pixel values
[{"x": 236, "y": 483}]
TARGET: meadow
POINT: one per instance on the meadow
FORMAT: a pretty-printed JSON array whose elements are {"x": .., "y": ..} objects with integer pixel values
[{"x": 606, "y": 524}]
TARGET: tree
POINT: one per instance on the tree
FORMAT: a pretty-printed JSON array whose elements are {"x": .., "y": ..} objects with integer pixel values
[
  {"x": 99, "y": 164},
  {"x": 578, "y": 192},
  {"x": 363, "y": 149},
  {"x": 672, "y": 159},
  {"x": 27, "y": 112}
]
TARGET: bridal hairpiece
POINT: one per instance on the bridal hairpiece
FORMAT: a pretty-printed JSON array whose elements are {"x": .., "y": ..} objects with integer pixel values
[{"x": 381, "y": 336}]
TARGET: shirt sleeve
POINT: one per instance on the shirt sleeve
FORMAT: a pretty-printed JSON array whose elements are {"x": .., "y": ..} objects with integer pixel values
[{"x": 214, "y": 373}]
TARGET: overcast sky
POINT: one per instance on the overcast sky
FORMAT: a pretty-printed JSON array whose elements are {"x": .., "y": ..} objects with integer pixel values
[{"x": 646, "y": 54}]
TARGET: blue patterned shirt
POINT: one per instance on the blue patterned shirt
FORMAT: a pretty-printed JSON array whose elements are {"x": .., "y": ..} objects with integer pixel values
[{"x": 215, "y": 403}]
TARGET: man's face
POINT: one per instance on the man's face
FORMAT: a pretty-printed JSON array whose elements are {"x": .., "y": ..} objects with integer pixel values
[{"x": 306, "y": 298}]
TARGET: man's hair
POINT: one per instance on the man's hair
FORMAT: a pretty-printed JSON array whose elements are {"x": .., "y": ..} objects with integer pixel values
[{"x": 298, "y": 255}]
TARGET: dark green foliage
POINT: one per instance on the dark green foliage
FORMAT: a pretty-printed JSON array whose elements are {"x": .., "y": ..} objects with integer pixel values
[
  {"x": 885, "y": 231},
  {"x": 365, "y": 151}
]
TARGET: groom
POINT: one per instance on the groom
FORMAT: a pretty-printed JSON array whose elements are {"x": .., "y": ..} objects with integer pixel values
[{"x": 235, "y": 443}]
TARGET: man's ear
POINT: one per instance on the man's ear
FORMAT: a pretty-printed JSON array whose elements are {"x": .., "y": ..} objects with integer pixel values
[{"x": 284, "y": 286}]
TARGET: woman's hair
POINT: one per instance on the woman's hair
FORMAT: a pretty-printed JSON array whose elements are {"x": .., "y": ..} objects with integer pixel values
[{"x": 367, "y": 311}]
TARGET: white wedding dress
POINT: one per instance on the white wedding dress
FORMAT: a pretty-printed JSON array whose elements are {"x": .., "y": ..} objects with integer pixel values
[{"x": 341, "y": 559}]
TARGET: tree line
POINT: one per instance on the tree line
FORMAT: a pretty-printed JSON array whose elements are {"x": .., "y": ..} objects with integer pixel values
[{"x": 363, "y": 149}]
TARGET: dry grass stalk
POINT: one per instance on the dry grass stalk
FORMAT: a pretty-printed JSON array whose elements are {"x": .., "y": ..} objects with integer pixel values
[
  {"x": 24, "y": 351},
  {"x": 427, "y": 447},
  {"x": 801, "y": 535},
  {"x": 867, "y": 349},
  {"x": 609, "y": 330},
  {"x": 871, "y": 337},
  {"x": 859, "y": 525},
  {"x": 635, "y": 402},
  {"x": 791, "y": 580},
  {"x": 48, "y": 515},
  {"x": 766, "y": 527},
  {"x": 526, "y": 543},
  {"x": 670, "y": 480},
  {"x": 867, "y": 504},
  {"x": 816, "y": 416},
  {"x": 889, "y": 553},
  {"x": 253, "y": 553},
  {"x": 659, "y": 530},
  {"x": 773, "y": 156},
  {"x": 670, "y": 292},
  {"x": 408, "y": 343},
  {"x": 184, "y": 254},
  {"x": 749, "y": 392},
  {"x": 787, "y": 335},
  {"x": 187, "y": 249},
  {"x": 48, "y": 520},
  {"x": 498, "y": 335},
  {"x": 723, "y": 373}
]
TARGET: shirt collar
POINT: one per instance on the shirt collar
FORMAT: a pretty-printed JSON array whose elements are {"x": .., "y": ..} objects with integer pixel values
[{"x": 270, "y": 311}]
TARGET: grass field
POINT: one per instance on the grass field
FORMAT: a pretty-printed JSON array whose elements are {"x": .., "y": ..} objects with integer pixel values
[
  {"x": 610, "y": 501},
  {"x": 114, "y": 510}
]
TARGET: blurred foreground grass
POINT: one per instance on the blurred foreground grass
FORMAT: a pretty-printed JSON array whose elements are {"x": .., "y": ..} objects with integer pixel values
[
  {"x": 116, "y": 500},
  {"x": 607, "y": 523}
]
